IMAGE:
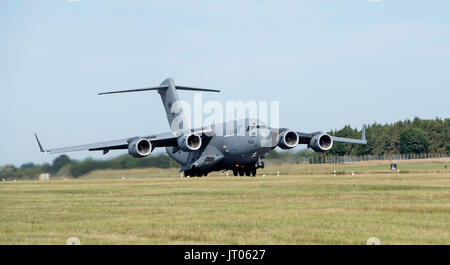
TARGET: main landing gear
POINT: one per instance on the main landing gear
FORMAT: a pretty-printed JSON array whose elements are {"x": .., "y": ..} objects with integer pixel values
[{"x": 248, "y": 169}]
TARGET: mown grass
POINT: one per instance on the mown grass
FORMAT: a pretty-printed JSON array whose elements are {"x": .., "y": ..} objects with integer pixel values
[
  {"x": 369, "y": 167},
  {"x": 288, "y": 209},
  {"x": 417, "y": 166}
]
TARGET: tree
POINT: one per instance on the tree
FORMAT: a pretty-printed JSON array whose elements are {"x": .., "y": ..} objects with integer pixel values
[
  {"x": 46, "y": 167},
  {"x": 414, "y": 141},
  {"x": 60, "y": 162},
  {"x": 8, "y": 172},
  {"x": 27, "y": 165}
]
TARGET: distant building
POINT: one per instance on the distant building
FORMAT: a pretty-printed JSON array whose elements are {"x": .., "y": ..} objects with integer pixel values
[{"x": 44, "y": 176}]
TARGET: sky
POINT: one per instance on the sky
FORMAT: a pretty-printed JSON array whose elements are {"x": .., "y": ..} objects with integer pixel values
[{"x": 328, "y": 63}]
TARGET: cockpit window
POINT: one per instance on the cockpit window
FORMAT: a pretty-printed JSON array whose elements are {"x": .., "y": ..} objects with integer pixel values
[{"x": 257, "y": 127}]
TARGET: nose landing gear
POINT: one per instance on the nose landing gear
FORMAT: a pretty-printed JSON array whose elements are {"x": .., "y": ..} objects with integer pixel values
[
  {"x": 195, "y": 172},
  {"x": 260, "y": 164}
]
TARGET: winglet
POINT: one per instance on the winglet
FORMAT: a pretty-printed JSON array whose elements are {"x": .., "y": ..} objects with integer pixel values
[
  {"x": 40, "y": 146},
  {"x": 363, "y": 136}
]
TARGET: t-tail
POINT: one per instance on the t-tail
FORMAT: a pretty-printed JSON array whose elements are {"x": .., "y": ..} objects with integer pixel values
[{"x": 172, "y": 105}]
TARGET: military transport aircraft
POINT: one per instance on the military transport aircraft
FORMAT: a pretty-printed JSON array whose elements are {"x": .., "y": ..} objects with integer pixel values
[{"x": 238, "y": 145}]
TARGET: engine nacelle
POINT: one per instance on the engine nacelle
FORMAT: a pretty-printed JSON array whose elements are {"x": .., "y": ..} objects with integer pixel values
[
  {"x": 287, "y": 140},
  {"x": 321, "y": 142},
  {"x": 140, "y": 148},
  {"x": 189, "y": 143}
]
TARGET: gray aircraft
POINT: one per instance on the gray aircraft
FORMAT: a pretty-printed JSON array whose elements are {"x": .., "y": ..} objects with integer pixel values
[{"x": 238, "y": 145}]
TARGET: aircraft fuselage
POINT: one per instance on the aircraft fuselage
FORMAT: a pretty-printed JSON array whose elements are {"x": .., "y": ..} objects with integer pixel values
[{"x": 232, "y": 145}]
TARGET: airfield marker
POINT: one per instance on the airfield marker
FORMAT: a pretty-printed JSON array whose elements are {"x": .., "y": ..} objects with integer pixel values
[
  {"x": 73, "y": 241},
  {"x": 373, "y": 241}
]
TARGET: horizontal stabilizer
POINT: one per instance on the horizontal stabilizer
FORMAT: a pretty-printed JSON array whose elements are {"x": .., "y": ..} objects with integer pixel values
[
  {"x": 160, "y": 88},
  {"x": 196, "y": 89},
  {"x": 133, "y": 90}
]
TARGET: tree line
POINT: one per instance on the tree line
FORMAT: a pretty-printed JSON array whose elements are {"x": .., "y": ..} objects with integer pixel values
[
  {"x": 403, "y": 137},
  {"x": 63, "y": 166},
  {"x": 418, "y": 136}
]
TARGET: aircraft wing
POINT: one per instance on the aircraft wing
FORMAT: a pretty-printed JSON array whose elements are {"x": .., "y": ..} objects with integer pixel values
[
  {"x": 348, "y": 140},
  {"x": 305, "y": 138},
  {"x": 157, "y": 140}
]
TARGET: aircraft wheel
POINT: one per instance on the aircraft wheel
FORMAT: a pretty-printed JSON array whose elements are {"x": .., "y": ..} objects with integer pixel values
[
  {"x": 253, "y": 172},
  {"x": 187, "y": 173},
  {"x": 262, "y": 164},
  {"x": 205, "y": 174},
  {"x": 235, "y": 172},
  {"x": 247, "y": 172},
  {"x": 241, "y": 172}
]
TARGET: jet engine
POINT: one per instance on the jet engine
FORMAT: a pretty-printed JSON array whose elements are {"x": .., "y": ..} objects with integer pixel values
[
  {"x": 287, "y": 139},
  {"x": 321, "y": 142},
  {"x": 189, "y": 143},
  {"x": 140, "y": 148}
]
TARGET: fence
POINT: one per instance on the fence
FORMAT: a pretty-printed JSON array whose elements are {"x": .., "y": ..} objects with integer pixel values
[{"x": 331, "y": 159}]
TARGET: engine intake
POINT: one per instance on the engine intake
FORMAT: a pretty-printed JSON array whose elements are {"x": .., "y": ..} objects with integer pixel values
[
  {"x": 287, "y": 140},
  {"x": 189, "y": 143},
  {"x": 140, "y": 148},
  {"x": 321, "y": 142}
]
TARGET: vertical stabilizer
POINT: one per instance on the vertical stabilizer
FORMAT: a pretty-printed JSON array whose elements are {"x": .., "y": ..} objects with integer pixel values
[{"x": 172, "y": 106}]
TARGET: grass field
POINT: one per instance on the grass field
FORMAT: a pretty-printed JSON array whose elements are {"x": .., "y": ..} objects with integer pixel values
[
  {"x": 434, "y": 165},
  {"x": 103, "y": 208}
]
